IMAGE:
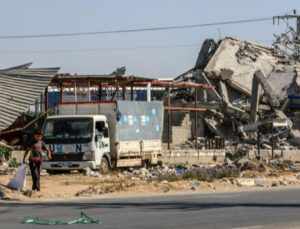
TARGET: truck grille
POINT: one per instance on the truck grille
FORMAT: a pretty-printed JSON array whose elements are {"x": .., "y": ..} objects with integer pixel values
[{"x": 67, "y": 157}]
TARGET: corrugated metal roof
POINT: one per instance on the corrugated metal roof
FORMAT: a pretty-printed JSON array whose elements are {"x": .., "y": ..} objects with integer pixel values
[{"x": 19, "y": 88}]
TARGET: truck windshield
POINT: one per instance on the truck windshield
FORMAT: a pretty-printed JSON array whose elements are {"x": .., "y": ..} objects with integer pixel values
[{"x": 68, "y": 130}]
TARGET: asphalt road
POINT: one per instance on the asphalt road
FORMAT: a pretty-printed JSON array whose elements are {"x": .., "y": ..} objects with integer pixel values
[{"x": 253, "y": 210}]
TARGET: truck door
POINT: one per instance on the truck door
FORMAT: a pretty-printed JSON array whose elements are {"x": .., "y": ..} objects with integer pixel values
[{"x": 101, "y": 140}]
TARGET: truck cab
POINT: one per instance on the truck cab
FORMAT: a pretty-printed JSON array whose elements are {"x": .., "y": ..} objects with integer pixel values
[{"x": 77, "y": 142}]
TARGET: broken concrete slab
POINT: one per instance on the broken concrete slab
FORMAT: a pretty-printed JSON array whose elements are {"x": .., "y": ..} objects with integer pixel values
[
  {"x": 200, "y": 77},
  {"x": 242, "y": 58},
  {"x": 223, "y": 91},
  {"x": 214, "y": 126},
  {"x": 254, "y": 99},
  {"x": 245, "y": 182},
  {"x": 252, "y": 182},
  {"x": 236, "y": 112},
  {"x": 194, "y": 185},
  {"x": 208, "y": 46},
  {"x": 268, "y": 91},
  {"x": 285, "y": 105},
  {"x": 284, "y": 81},
  {"x": 261, "y": 182},
  {"x": 259, "y": 81}
]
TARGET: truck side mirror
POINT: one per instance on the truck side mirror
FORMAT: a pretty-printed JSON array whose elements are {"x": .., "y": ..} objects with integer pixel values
[{"x": 105, "y": 132}]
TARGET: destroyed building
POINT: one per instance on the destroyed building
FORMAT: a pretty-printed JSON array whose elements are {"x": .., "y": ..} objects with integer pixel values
[
  {"x": 252, "y": 83},
  {"x": 247, "y": 85}
]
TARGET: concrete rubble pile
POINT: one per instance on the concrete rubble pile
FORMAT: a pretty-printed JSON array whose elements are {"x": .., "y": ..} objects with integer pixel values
[{"x": 256, "y": 86}]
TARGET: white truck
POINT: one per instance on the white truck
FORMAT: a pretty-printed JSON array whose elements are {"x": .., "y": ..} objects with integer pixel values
[{"x": 103, "y": 135}]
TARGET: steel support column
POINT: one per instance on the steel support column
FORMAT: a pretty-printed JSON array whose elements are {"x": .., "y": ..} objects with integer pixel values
[
  {"x": 46, "y": 101},
  {"x": 131, "y": 91},
  {"x": 169, "y": 119},
  {"x": 196, "y": 118},
  {"x": 272, "y": 140},
  {"x": 100, "y": 92}
]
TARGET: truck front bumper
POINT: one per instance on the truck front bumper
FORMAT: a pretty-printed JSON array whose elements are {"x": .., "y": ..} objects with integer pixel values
[{"x": 68, "y": 165}]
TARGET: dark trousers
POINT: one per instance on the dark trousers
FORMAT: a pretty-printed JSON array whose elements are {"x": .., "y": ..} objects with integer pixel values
[{"x": 35, "y": 174}]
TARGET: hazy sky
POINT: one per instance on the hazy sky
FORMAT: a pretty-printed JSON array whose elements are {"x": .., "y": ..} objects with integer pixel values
[{"x": 100, "y": 54}]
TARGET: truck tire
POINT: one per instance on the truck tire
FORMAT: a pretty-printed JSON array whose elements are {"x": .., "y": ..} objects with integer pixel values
[
  {"x": 145, "y": 164},
  {"x": 104, "y": 166}
]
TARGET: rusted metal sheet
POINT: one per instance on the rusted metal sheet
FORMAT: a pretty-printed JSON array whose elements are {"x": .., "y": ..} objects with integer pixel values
[
  {"x": 185, "y": 108},
  {"x": 61, "y": 79},
  {"x": 173, "y": 84},
  {"x": 19, "y": 88}
]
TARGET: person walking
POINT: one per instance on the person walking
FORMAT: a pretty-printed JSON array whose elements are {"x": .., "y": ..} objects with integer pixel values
[{"x": 35, "y": 159}]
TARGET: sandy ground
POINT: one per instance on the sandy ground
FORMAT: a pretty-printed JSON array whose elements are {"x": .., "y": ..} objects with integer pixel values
[{"x": 67, "y": 186}]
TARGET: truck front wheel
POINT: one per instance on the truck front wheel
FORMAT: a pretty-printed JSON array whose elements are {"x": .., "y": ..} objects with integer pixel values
[{"x": 104, "y": 167}]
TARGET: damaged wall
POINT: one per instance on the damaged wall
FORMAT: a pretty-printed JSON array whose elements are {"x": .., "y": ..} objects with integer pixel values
[{"x": 181, "y": 127}]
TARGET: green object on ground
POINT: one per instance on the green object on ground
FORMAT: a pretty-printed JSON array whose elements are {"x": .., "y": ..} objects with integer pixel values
[
  {"x": 14, "y": 163},
  {"x": 5, "y": 153},
  {"x": 84, "y": 219}
]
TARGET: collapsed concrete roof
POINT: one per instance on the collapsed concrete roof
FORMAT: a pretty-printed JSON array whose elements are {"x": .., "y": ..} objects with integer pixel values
[
  {"x": 19, "y": 88},
  {"x": 253, "y": 83},
  {"x": 236, "y": 61}
]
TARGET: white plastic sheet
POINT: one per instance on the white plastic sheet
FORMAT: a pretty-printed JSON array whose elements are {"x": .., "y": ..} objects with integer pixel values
[{"x": 19, "y": 179}]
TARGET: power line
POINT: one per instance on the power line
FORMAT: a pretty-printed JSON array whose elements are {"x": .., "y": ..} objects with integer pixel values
[
  {"x": 97, "y": 49},
  {"x": 105, "y": 49},
  {"x": 135, "y": 30}
]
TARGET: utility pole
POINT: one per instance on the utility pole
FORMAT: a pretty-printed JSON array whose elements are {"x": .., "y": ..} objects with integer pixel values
[
  {"x": 293, "y": 43},
  {"x": 298, "y": 35}
]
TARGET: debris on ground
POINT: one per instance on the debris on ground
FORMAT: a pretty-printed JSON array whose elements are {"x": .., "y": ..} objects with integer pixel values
[
  {"x": 28, "y": 193},
  {"x": 84, "y": 219},
  {"x": 2, "y": 194},
  {"x": 89, "y": 172},
  {"x": 211, "y": 186},
  {"x": 44, "y": 173},
  {"x": 194, "y": 185},
  {"x": 241, "y": 175}
]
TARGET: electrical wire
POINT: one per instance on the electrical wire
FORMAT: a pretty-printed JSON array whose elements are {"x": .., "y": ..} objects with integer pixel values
[
  {"x": 134, "y": 30},
  {"x": 106, "y": 49},
  {"x": 97, "y": 49}
]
